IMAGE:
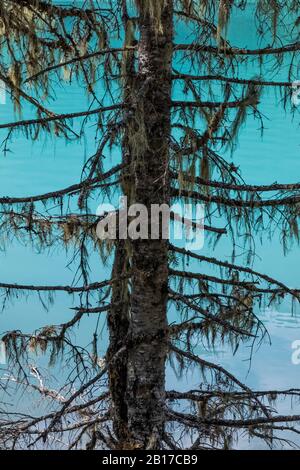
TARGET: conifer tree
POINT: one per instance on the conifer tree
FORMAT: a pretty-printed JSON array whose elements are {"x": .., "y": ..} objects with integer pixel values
[{"x": 174, "y": 107}]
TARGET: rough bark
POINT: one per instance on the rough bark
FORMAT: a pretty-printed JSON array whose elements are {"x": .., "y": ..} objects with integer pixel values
[
  {"x": 148, "y": 316},
  {"x": 138, "y": 381},
  {"x": 118, "y": 323}
]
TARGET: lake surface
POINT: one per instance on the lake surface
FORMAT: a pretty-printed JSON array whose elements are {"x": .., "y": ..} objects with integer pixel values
[{"x": 49, "y": 164}]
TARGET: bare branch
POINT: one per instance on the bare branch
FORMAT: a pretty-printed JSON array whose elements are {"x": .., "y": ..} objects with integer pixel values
[
  {"x": 61, "y": 117},
  {"x": 235, "y": 51}
]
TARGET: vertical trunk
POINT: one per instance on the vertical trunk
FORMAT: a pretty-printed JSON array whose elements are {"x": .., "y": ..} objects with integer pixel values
[
  {"x": 137, "y": 381},
  {"x": 148, "y": 315},
  {"x": 118, "y": 329}
]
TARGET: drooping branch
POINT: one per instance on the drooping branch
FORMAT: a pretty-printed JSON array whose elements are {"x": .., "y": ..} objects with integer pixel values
[
  {"x": 61, "y": 117},
  {"x": 61, "y": 11},
  {"x": 192, "y": 326},
  {"x": 194, "y": 421},
  {"x": 219, "y": 369},
  {"x": 240, "y": 187},
  {"x": 91, "y": 55},
  {"x": 235, "y": 51},
  {"x": 200, "y": 395},
  {"x": 70, "y": 190},
  {"x": 176, "y": 217},
  {"x": 18, "y": 92},
  {"x": 222, "y": 78},
  {"x": 61, "y": 288},
  {"x": 214, "y": 279},
  {"x": 234, "y": 267},
  {"x": 213, "y": 104},
  {"x": 252, "y": 203},
  {"x": 84, "y": 387}
]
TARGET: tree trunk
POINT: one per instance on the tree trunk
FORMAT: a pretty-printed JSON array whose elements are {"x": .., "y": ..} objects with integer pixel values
[
  {"x": 146, "y": 361},
  {"x": 147, "y": 143},
  {"x": 118, "y": 324}
]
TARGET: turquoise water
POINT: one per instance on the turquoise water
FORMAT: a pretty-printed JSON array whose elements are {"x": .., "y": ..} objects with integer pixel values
[{"x": 50, "y": 164}]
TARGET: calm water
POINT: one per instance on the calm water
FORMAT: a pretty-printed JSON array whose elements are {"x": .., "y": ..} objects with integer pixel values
[{"x": 52, "y": 164}]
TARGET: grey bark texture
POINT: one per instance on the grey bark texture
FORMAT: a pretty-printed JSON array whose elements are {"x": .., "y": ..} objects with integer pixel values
[{"x": 138, "y": 403}]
